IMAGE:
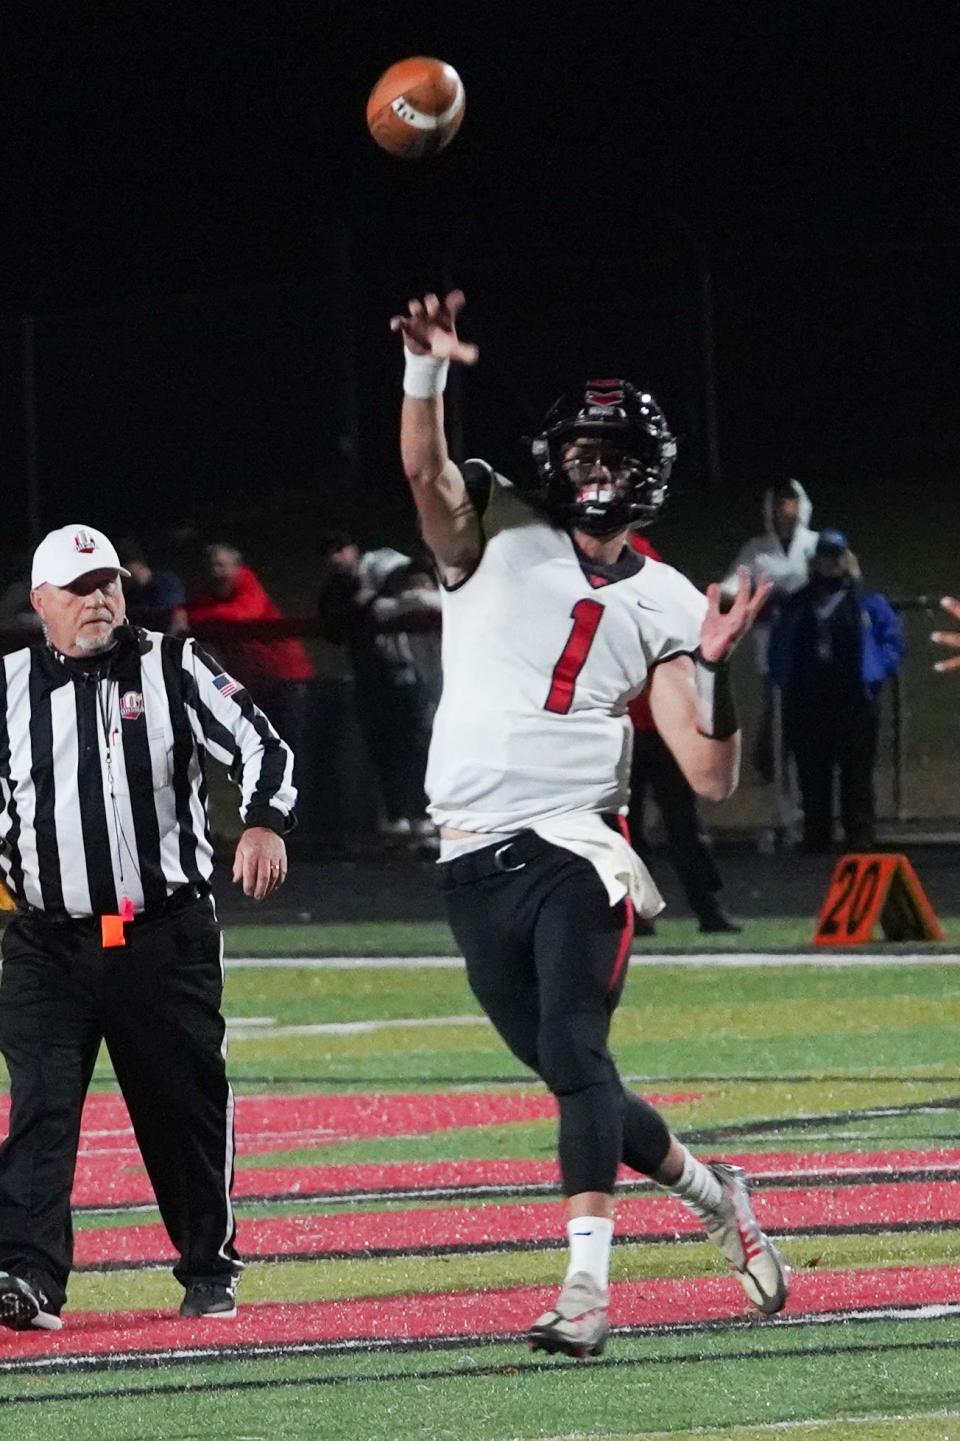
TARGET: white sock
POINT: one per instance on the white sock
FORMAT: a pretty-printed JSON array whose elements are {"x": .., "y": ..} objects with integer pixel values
[
  {"x": 590, "y": 1240},
  {"x": 697, "y": 1187}
]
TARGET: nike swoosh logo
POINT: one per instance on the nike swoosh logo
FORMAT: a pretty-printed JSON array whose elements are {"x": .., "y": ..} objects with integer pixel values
[{"x": 645, "y": 605}]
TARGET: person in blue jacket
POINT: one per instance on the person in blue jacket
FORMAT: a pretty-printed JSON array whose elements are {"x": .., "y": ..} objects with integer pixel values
[{"x": 834, "y": 645}]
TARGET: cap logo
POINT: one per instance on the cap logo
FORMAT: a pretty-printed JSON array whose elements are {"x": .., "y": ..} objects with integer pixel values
[
  {"x": 131, "y": 705},
  {"x": 84, "y": 543}
]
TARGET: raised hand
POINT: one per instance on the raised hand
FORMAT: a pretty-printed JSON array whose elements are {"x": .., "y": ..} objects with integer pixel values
[
  {"x": 723, "y": 630},
  {"x": 949, "y": 638},
  {"x": 430, "y": 328}
]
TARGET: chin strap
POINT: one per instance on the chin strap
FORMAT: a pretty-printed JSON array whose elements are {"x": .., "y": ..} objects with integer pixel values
[{"x": 716, "y": 709}]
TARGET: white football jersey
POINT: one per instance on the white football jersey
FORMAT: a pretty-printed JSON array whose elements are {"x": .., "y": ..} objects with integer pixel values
[{"x": 539, "y": 665}]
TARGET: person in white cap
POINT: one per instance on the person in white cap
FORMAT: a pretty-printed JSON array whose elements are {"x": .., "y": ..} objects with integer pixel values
[
  {"x": 75, "y": 589},
  {"x": 105, "y": 845}
]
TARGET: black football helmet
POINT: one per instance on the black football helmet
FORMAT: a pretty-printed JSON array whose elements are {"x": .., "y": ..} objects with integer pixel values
[{"x": 630, "y": 422}]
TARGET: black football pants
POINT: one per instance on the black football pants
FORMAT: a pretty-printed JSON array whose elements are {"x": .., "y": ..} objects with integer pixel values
[
  {"x": 156, "y": 1003},
  {"x": 546, "y": 958}
]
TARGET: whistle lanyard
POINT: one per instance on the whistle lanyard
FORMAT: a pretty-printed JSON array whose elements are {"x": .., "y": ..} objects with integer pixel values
[{"x": 107, "y": 690}]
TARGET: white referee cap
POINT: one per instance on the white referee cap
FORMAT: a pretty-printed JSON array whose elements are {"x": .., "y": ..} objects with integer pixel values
[{"x": 64, "y": 555}]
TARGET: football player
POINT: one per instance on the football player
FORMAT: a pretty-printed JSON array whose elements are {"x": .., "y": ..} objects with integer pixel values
[{"x": 552, "y": 623}]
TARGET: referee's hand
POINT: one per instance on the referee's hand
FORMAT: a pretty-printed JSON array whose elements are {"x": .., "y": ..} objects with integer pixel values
[{"x": 260, "y": 864}]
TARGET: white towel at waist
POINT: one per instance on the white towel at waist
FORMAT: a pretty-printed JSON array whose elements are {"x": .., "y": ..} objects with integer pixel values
[{"x": 611, "y": 855}]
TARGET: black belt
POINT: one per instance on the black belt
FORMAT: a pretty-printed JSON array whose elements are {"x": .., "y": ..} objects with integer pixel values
[
  {"x": 494, "y": 860},
  {"x": 178, "y": 900}
]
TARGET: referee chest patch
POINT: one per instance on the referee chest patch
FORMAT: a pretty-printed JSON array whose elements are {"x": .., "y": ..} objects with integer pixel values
[{"x": 131, "y": 705}]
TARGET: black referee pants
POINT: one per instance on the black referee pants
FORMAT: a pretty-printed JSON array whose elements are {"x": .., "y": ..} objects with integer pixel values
[
  {"x": 546, "y": 958},
  {"x": 156, "y": 1004}
]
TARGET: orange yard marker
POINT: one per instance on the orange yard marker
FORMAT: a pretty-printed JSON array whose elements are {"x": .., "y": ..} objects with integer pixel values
[{"x": 867, "y": 891}]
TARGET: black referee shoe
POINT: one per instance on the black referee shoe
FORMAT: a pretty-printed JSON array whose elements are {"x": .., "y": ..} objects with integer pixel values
[
  {"x": 209, "y": 1298},
  {"x": 24, "y": 1306}
]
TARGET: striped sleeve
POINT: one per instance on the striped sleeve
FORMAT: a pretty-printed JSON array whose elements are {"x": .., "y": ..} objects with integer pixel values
[
  {"x": 6, "y": 788},
  {"x": 234, "y": 731}
]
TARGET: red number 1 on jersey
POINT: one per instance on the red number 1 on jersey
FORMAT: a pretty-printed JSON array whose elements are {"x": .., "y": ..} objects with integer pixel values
[{"x": 587, "y": 615}]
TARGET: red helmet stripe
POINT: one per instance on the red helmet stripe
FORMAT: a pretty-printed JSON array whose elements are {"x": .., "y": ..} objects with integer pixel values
[{"x": 604, "y": 392}]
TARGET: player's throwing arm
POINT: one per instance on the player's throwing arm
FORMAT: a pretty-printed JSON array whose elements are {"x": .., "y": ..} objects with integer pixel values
[{"x": 449, "y": 521}]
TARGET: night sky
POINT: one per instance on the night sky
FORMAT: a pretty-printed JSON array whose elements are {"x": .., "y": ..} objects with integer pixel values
[{"x": 212, "y": 245}]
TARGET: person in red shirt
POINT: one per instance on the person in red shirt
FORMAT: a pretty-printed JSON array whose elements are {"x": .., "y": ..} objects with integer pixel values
[
  {"x": 654, "y": 769},
  {"x": 275, "y": 672}
]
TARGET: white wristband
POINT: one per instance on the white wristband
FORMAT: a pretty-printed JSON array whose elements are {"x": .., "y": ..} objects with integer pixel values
[{"x": 423, "y": 375}]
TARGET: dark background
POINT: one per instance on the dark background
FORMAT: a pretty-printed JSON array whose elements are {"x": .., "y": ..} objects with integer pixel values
[{"x": 210, "y": 247}]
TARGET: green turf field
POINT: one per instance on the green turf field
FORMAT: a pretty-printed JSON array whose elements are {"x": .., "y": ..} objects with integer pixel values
[
  {"x": 785, "y": 1065},
  {"x": 433, "y": 938}
]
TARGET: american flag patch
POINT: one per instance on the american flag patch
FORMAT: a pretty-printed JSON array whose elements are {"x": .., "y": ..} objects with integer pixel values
[{"x": 226, "y": 684}]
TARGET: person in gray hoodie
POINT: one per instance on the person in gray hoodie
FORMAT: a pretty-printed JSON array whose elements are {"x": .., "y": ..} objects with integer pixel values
[{"x": 781, "y": 553}]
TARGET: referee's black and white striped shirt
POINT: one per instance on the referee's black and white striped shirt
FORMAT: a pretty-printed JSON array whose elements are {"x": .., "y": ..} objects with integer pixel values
[{"x": 102, "y": 787}]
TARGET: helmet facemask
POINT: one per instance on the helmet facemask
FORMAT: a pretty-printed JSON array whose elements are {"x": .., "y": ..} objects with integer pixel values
[{"x": 604, "y": 459}]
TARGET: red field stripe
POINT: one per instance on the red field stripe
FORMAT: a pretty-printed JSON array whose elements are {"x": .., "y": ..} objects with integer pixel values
[
  {"x": 790, "y": 1163},
  {"x": 266, "y": 1123},
  {"x": 121, "y": 1181},
  {"x": 850, "y": 1206},
  {"x": 647, "y": 1303}
]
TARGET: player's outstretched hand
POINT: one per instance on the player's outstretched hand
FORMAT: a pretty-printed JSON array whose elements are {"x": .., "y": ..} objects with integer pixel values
[
  {"x": 950, "y": 638},
  {"x": 721, "y": 631},
  {"x": 430, "y": 328}
]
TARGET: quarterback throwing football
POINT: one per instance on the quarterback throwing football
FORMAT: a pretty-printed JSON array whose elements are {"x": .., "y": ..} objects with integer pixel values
[{"x": 551, "y": 625}]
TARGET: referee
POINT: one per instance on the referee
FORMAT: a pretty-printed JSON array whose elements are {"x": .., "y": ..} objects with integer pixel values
[{"x": 105, "y": 843}]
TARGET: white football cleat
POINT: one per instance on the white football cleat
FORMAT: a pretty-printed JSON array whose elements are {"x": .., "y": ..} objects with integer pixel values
[
  {"x": 578, "y": 1324},
  {"x": 735, "y": 1231}
]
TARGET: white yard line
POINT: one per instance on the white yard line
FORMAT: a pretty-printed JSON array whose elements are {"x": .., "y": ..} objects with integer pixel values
[
  {"x": 706, "y": 959},
  {"x": 344, "y": 963},
  {"x": 351, "y": 1028},
  {"x": 765, "y": 1428}
]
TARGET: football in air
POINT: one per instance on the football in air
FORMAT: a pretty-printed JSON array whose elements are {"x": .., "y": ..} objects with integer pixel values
[{"x": 416, "y": 107}]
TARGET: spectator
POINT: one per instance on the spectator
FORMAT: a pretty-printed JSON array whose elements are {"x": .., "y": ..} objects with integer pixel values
[
  {"x": 834, "y": 645},
  {"x": 367, "y": 601},
  {"x": 654, "y": 769},
  {"x": 276, "y": 672},
  {"x": 156, "y": 599},
  {"x": 782, "y": 553},
  {"x": 425, "y": 645}
]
